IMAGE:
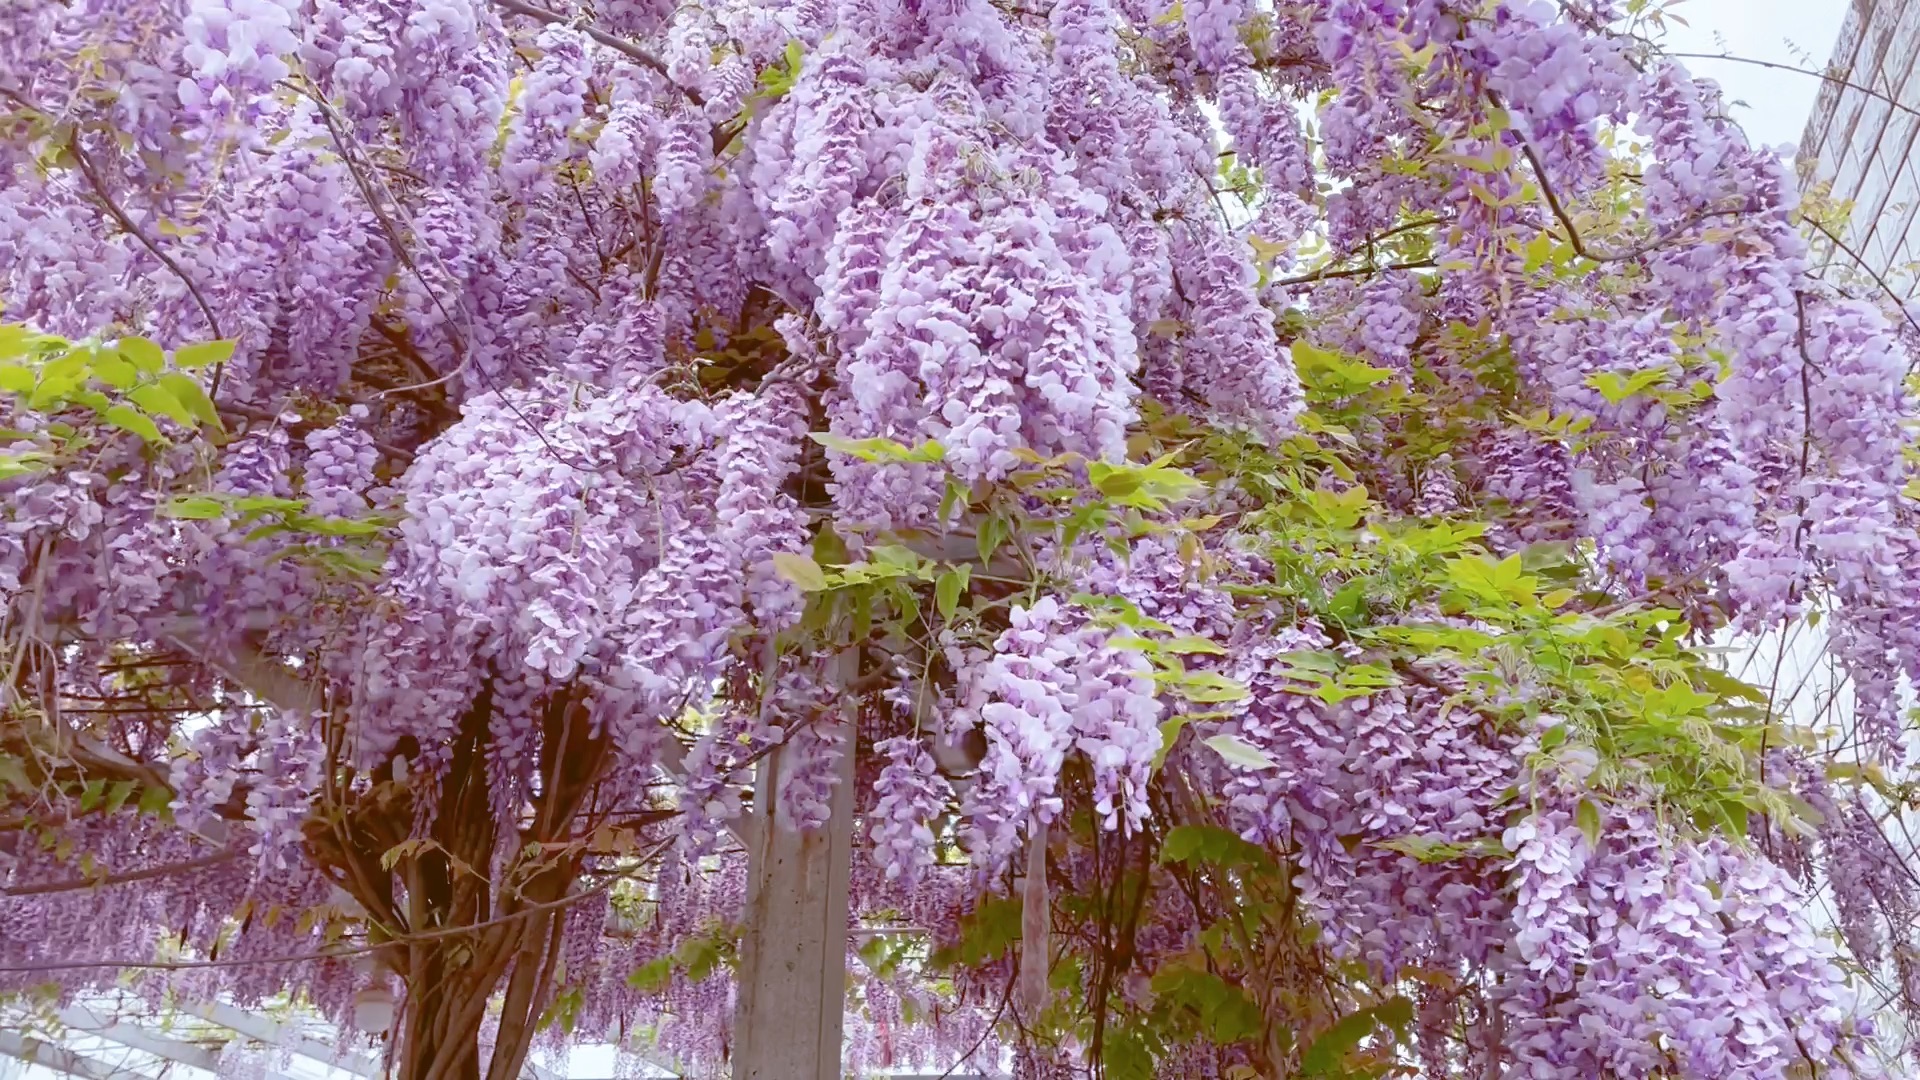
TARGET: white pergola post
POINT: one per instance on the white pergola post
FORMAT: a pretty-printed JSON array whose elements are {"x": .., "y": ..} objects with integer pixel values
[{"x": 793, "y": 953}]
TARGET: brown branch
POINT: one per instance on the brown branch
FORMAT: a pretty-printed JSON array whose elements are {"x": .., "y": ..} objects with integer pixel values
[
  {"x": 113, "y": 208},
  {"x": 149, "y": 873},
  {"x": 1573, "y": 234},
  {"x": 261, "y": 675},
  {"x": 1574, "y": 239},
  {"x": 392, "y": 232},
  {"x": 1407, "y": 226},
  {"x": 347, "y": 952},
  {"x": 1358, "y": 271},
  {"x": 625, "y": 48},
  {"x": 127, "y": 223}
]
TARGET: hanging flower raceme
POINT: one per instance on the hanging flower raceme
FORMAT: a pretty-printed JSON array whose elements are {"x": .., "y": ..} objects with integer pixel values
[
  {"x": 1053, "y": 685},
  {"x": 911, "y": 795}
]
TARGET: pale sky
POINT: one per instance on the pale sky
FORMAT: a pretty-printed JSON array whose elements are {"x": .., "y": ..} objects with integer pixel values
[{"x": 1797, "y": 32}]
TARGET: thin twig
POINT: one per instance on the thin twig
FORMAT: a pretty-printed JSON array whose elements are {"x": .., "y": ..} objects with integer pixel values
[
  {"x": 1826, "y": 76},
  {"x": 1574, "y": 239},
  {"x": 1359, "y": 271},
  {"x": 1898, "y": 300},
  {"x": 394, "y": 240},
  {"x": 147, "y": 874},
  {"x": 1579, "y": 245},
  {"x": 461, "y": 347},
  {"x": 127, "y": 223},
  {"x": 301, "y": 958},
  {"x": 1005, "y": 996},
  {"x": 625, "y": 48}
]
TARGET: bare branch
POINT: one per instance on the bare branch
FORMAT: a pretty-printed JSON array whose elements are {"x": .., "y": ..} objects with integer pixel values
[
  {"x": 1358, "y": 271},
  {"x": 113, "y": 209},
  {"x": 1823, "y": 75},
  {"x": 1573, "y": 234},
  {"x": 625, "y": 48},
  {"x": 146, "y": 874},
  {"x": 1899, "y": 301}
]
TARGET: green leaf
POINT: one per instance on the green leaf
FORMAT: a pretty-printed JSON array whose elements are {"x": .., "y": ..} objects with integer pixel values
[
  {"x": 1541, "y": 250},
  {"x": 1617, "y": 388},
  {"x": 1335, "y": 375},
  {"x": 155, "y": 800},
  {"x": 1237, "y": 751},
  {"x": 1426, "y": 849},
  {"x": 143, "y": 354},
  {"x": 699, "y": 956},
  {"x": 347, "y": 562},
  {"x": 13, "y": 775},
  {"x": 801, "y": 570},
  {"x": 25, "y": 463},
  {"x": 59, "y": 378},
  {"x": 1587, "y": 816},
  {"x": 15, "y": 339},
  {"x": 115, "y": 371},
  {"x": 1192, "y": 644},
  {"x": 1499, "y": 583},
  {"x": 127, "y": 418},
  {"x": 985, "y": 934},
  {"x": 993, "y": 532},
  {"x": 1225, "y": 1011},
  {"x": 193, "y": 507},
  {"x": 897, "y": 556},
  {"x": 92, "y": 794},
  {"x": 947, "y": 591},
  {"x": 1324, "y": 1055},
  {"x": 156, "y": 400},
  {"x": 1210, "y": 844},
  {"x": 117, "y": 794},
  {"x": 880, "y": 450},
  {"x": 1126, "y": 1057},
  {"x": 191, "y": 397},
  {"x": 205, "y": 354},
  {"x": 1169, "y": 734},
  {"x": 392, "y": 856},
  {"x": 1207, "y": 687},
  {"x": 253, "y": 505},
  {"x": 338, "y": 526},
  {"x": 949, "y": 498},
  {"x": 1144, "y": 487},
  {"x": 653, "y": 976},
  {"x": 1118, "y": 610},
  {"x": 16, "y": 379},
  {"x": 1339, "y": 509},
  {"x": 1396, "y": 1013}
]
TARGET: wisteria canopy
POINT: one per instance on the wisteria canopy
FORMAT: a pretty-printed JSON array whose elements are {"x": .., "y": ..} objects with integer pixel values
[{"x": 1232, "y": 500}]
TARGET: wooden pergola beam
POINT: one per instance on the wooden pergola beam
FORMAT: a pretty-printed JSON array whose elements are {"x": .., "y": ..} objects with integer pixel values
[
  {"x": 179, "y": 1051},
  {"x": 56, "y": 1057}
]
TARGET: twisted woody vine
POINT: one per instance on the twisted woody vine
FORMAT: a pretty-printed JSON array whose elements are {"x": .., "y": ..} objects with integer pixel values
[{"x": 1252, "y": 487}]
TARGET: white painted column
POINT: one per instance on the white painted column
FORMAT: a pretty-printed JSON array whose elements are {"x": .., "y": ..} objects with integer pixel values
[{"x": 793, "y": 953}]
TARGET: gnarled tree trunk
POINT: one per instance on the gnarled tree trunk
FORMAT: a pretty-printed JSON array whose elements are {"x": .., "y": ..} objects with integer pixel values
[{"x": 461, "y": 937}]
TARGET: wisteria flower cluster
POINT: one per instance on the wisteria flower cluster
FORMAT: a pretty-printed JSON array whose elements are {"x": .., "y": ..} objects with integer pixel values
[{"x": 1212, "y": 510}]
